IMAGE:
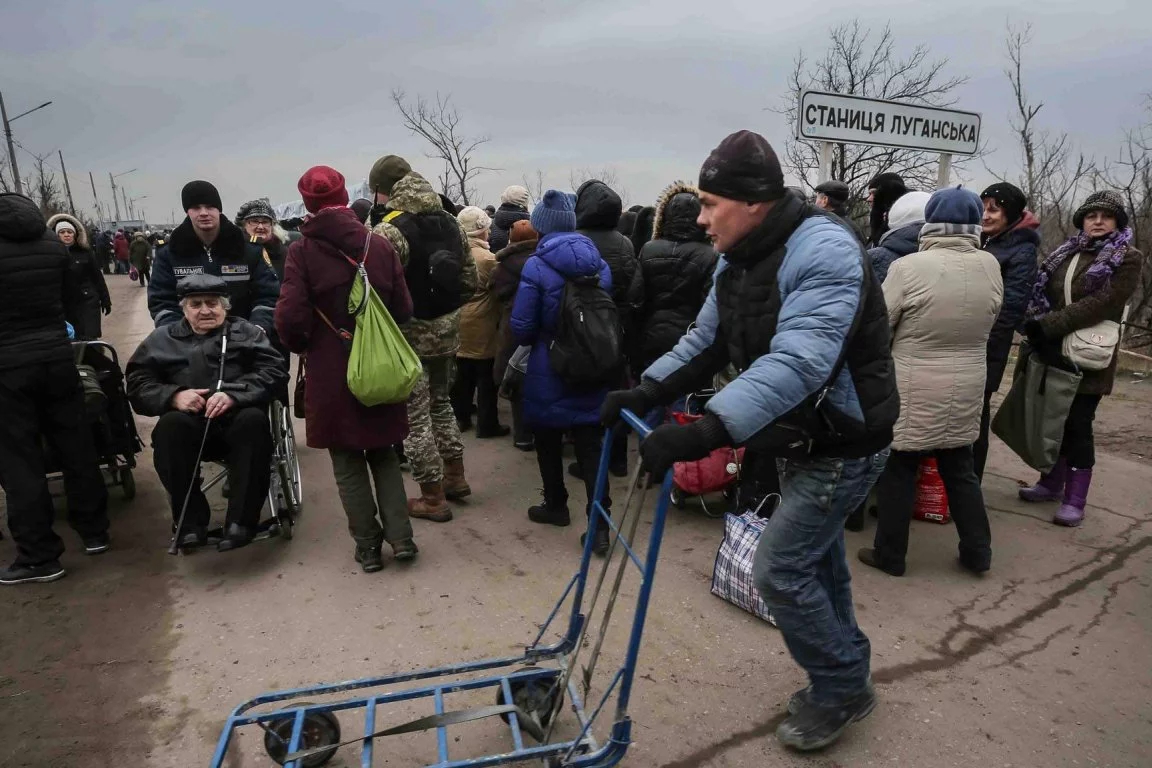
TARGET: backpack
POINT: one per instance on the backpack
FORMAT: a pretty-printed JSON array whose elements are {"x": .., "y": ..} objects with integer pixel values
[
  {"x": 588, "y": 349},
  {"x": 436, "y": 256}
]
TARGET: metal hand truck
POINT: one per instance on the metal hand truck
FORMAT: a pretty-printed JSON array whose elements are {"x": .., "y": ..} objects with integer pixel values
[{"x": 530, "y": 688}]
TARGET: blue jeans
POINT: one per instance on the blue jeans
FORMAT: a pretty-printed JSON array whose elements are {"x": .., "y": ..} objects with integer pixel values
[{"x": 802, "y": 572}]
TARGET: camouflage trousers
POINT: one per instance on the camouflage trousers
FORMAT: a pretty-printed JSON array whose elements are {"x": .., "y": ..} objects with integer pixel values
[{"x": 433, "y": 434}]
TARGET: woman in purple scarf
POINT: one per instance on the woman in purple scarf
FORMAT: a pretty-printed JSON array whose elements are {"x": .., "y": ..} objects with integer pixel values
[{"x": 1107, "y": 273}]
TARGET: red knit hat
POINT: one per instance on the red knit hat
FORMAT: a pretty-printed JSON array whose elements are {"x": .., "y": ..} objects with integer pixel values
[
  {"x": 322, "y": 187},
  {"x": 521, "y": 231}
]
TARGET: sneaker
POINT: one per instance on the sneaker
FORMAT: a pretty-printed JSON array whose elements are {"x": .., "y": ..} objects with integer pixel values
[
  {"x": 369, "y": 558},
  {"x": 31, "y": 574},
  {"x": 601, "y": 544},
  {"x": 528, "y": 446},
  {"x": 815, "y": 726},
  {"x": 799, "y": 700},
  {"x": 94, "y": 545},
  {"x": 546, "y": 515},
  {"x": 405, "y": 550}
]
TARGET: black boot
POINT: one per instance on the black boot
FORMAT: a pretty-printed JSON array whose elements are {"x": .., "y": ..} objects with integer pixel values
[
  {"x": 872, "y": 557},
  {"x": 815, "y": 726},
  {"x": 550, "y": 514},
  {"x": 235, "y": 537},
  {"x": 368, "y": 555}
]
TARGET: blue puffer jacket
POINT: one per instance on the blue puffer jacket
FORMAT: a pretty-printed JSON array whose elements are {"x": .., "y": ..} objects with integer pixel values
[
  {"x": 535, "y": 313},
  {"x": 894, "y": 244},
  {"x": 1015, "y": 249}
]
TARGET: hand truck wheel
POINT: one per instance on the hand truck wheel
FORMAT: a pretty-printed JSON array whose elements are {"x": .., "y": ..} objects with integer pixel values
[
  {"x": 676, "y": 496},
  {"x": 320, "y": 729},
  {"x": 536, "y": 697}
]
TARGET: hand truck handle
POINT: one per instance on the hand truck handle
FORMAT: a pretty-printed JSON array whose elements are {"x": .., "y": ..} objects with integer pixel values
[{"x": 636, "y": 423}]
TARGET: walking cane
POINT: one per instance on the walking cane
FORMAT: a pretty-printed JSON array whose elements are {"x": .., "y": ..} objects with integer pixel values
[{"x": 174, "y": 545}]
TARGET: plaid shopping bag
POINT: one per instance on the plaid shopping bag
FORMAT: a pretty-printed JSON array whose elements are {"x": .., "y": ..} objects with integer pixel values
[{"x": 732, "y": 573}]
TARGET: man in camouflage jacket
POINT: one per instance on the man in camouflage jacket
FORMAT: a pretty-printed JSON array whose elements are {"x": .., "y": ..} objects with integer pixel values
[{"x": 433, "y": 445}]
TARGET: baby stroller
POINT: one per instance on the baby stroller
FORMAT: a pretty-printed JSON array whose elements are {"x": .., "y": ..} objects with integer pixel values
[{"x": 108, "y": 413}]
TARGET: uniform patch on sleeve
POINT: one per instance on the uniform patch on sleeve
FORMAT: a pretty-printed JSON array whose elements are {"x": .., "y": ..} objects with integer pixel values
[{"x": 233, "y": 269}]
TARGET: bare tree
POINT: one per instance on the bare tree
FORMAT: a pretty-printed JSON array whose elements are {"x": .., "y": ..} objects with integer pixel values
[
  {"x": 1051, "y": 173},
  {"x": 438, "y": 123},
  {"x": 5, "y": 176},
  {"x": 606, "y": 174},
  {"x": 46, "y": 189},
  {"x": 861, "y": 63},
  {"x": 535, "y": 186}
]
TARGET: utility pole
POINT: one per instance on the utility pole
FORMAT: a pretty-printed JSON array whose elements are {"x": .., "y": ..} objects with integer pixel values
[
  {"x": 67, "y": 186},
  {"x": 127, "y": 208},
  {"x": 8, "y": 137},
  {"x": 115, "y": 202},
  {"x": 92, "y": 181}
]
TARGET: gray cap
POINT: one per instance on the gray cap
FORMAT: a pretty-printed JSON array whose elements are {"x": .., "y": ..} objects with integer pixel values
[
  {"x": 201, "y": 285},
  {"x": 836, "y": 190}
]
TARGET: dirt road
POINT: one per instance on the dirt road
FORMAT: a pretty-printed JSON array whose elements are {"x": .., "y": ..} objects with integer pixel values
[{"x": 136, "y": 657}]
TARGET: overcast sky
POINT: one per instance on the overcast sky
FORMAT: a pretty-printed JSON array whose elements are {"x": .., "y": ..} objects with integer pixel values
[{"x": 250, "y": 94}]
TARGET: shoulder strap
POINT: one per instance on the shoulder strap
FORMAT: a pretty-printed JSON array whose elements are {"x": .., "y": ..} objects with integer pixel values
[
  {"x": 388, "y": 217},
  {"x": 1069, "y": 276},
  {"x": 865, "y": 286}
]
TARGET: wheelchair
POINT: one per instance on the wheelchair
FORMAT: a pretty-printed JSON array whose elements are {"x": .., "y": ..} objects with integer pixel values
[{"x": 285, "y": 488}]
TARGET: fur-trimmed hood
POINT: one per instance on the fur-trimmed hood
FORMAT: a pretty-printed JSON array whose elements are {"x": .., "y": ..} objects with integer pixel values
[
  {"x": 677, "y": 209},
  {"x": 81, "y": 231}
]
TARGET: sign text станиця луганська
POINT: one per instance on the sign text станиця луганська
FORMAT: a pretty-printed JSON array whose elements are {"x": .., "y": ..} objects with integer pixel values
[{"x": 856, "y": 120}]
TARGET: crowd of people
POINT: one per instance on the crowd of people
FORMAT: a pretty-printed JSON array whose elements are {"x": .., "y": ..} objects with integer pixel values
[{"x": 840, "y": 360}]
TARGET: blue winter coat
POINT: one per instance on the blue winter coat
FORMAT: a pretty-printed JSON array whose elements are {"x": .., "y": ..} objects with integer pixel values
[
  {"x": 535, "y": 315},
  {"x": 1015, "y": 249},
  {"x": 894, "y": 244}
]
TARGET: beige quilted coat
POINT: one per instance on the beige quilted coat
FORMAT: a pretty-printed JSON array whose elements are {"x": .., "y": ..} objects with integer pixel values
[{"x": 942, "y": 302}]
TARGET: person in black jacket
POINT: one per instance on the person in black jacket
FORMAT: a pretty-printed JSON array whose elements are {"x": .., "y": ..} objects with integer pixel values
[
  {"x": 1011, "y": 234},
  {"x": 674, "y": 275},
  {"x": 174, "y": 374},
  {"x": 905, "y": 220},
  {"x": 86, "y": 274},
  {"x": 41, "y": 398},
  {"x": 883, "y": 190},
  {"x": 598, "y": 210},
  {"x": 510, "y": 262},
  {"x": 207, "y": 243},
  {"x": 513, "y": 208},
  {"x": 833, "y": 197}
]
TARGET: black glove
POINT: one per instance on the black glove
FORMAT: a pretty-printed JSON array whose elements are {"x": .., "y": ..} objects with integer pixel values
[
  {"x": 636, "y": 400},
  {"x": 107, "y": 309},
  {"x": 671, "y": 443},
  {"x": 1035, "y": 332}
]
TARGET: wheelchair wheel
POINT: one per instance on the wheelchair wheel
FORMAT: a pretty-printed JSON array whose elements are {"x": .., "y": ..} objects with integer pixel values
[
  {"x": 320, "y": 730},
  {"x": 293, "y": 487}
]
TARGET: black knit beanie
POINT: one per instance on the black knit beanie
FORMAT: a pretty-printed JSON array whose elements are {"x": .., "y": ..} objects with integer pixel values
[
  {"x": 1009, "y": 197},
  {"x": 744, "y": 167},
  {"x": 200, "y": 193}
]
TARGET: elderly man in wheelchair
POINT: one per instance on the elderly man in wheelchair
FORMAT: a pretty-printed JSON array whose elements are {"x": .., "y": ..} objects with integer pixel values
[{"x": 210, "y": 378}]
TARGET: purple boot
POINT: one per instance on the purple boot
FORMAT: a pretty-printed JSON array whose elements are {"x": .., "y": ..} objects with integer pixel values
[
  {"x": 1050, "y": 486},
  {"x": 1071, "y": 512}
]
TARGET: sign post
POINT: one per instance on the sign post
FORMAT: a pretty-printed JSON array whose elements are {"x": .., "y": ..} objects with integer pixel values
[{"x": 838, "y": 118}]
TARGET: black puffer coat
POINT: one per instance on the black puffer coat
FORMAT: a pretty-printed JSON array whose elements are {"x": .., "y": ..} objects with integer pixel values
[
  {"x": 597, "y": 216},
  {"x": 674, "y": 277},
  {"x": 37, "y": 289},
  {"x": 510, "y": 263},
  {"x": 1016, "y": 250},
  {"x": 506, "y": 215}
]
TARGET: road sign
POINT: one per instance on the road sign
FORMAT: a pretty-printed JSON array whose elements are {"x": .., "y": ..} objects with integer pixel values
[{"x": 837, "y": 117}]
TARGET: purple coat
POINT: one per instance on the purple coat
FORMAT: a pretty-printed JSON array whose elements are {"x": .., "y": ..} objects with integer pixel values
[
  {"x": 535, "y": 314},
  {"x": 318, "y": 276}
]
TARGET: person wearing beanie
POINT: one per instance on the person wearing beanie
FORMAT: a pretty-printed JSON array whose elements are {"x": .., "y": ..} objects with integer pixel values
[
  {"x": 258, "y": 219},
  {"x": 884, "y": 189},
  {"x": 642, "y": 230},
  {"x": 361, "y": 207},
  {"x": 87, "y": 276},
  {"x": 795, "y": 310},
  {"x": 598, "y": 210},
  {"x": 1100, "y": 268},
  {"x": 513, "y": 207},
  {"x": 360, "y": 440},
  {"x": 41, "y": 398},
  {"x": 905, "y": 220},
  {"x": 382, "y": 178},
  {"x": 942, "y": 303},
  {"x": 552, "y": 407},
  {"x": 490, "y": 210},
  {"x": 140, "y": 254},
  {"x": 510, "y": 261},
  {"x": 475, "y": 387},
  {"x": 1010, "y": 232},
  {"x": 441, "y": 276},
  {"x": 208, "y": 243}
]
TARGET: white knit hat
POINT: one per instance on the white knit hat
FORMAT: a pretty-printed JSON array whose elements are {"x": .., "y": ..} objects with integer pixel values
[
  {"x": 515, "y": 195},
  {"x": 474, "y": 220},
  {"x": 908, "y": 209},
  {"x": 65, "y": 224}
]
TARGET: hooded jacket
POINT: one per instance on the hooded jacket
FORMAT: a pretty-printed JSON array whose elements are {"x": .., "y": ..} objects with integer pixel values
[
  {"x": 548, "y": 402},
  {"x": 941, "y": 303},
  {"x": 510, "y": 263},
  {"x": 87, "y": 275},
  {"x": 782, "y": 309},
  {"x": 252, "y": 285},
  {"x": 139, "y": 251},
  {"x": 1016, "y": 251},
  {"x": 597, "y": 216},
  {"x": 480, "y": 316},
  {"x": 38, "y": 292},
  {"x": 440, "y": 335},
  {"x": 674, "y": 275},
  {"x": 506, "y": 215}
]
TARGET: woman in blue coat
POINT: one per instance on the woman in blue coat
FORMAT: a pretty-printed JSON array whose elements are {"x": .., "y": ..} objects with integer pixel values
[{"x": 551, "y": 408}]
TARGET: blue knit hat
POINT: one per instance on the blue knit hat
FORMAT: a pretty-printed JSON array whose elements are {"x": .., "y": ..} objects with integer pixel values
[
  {"x": 954, "y": 206},
  {"x": 556, "y": 212}
]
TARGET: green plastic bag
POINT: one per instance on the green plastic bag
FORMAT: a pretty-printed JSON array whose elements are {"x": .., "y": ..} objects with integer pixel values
[
  {"x": 1031, "y": 418},
  {"x": 382, "y": 368}
]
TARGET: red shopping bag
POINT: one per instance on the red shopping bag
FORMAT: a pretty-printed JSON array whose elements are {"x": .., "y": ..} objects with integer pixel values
[
  {"x": 931, "y": 498},
  {"x": 717, "y": 471}
]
